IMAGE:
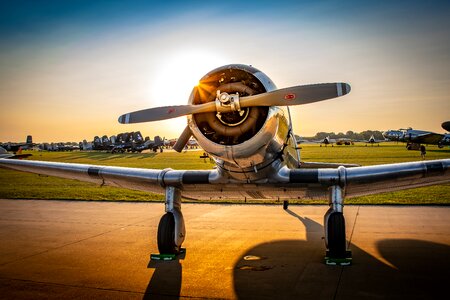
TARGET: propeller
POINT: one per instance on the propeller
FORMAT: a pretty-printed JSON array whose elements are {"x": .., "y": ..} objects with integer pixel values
[
  {"x": 183, "y": 139},
  {"x": 296, "y": 95}
]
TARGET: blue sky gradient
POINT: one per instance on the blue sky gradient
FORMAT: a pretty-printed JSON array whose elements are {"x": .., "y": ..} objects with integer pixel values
[{"x": 66, "y": 61}]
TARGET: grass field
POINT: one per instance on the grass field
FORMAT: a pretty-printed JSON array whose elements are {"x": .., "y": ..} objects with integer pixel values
[{"x": 19, "y": 185}]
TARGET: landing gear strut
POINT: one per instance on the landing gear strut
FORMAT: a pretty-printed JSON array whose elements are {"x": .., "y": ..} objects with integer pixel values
[
  {"x": 334, "y": 225},
  {"x": 171, "y": 229}
]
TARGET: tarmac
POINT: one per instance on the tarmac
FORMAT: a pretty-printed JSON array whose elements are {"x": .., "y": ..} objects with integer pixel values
[{"x": 101, "y": 250}]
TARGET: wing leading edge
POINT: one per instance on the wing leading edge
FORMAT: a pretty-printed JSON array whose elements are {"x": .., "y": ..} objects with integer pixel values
[{"x": 284, "y": 184}]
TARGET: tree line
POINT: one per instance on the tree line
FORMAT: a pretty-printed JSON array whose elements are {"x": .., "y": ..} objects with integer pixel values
[{"x": 364, "y": 135}]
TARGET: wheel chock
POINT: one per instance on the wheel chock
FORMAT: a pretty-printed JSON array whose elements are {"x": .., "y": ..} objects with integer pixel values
[
  {"x": 338, "y": 261},
  {"x": 167, "y": 257},
  {"x": 155, "y": 256}
]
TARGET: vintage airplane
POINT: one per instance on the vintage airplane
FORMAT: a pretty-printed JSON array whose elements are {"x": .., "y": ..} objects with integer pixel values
[
  {"x": 300, "y": 140},
  {"x": 372, "y": 140},
  {"x": 242, "y": 121},
  {"x": 135, "y": 142},
  {"x": 102, "y": 143},
  {"x": 14, "y": 147},
  {"x": 16, "y": 155},
  {"x": 326, "y": 141},
  {"x": 329, "y": 141},
  {"x": 61, "y": 146},
  {"x": 415, "y": 138}
]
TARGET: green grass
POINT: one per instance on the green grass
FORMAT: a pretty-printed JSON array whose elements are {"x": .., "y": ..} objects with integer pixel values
[{"x": 19, "y": 185}]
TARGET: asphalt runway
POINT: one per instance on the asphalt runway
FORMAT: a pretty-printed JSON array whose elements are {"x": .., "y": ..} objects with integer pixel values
[{"x": 64, "y": 250}]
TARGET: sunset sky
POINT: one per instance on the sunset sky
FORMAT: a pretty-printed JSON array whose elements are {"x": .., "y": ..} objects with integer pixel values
[{"x": 68, "y": 69}]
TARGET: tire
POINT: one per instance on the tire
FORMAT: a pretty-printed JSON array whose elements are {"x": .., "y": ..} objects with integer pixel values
[
  {"x": 166, "y": 234},
  {"x": 285, "y": 204},
  {"x": 336, "y": 235}
]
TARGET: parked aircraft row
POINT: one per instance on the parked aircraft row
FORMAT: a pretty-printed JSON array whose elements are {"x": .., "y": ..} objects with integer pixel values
[
  {"x": 124, "y": 142},
  {"x": 340, "y": 141},
  {"x": 58, "y": 146}
]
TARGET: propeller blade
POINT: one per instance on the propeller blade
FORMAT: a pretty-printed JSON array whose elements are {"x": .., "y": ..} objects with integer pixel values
[
  {"x": 297, "y": 95},
  {"x": 165, "y": 112},
  {"x": 183, "y": 139}
]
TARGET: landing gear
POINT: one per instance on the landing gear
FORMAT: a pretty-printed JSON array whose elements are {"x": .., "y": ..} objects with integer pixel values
[
  {"x": 285, "y": 204},
  {"x": 334, "y": 225},
  {"x": 166, "y": 234},
  {"x": 412, "y": 146},
  {"x": 171, "y": 229},
  {"x": 336, "y": 235}
]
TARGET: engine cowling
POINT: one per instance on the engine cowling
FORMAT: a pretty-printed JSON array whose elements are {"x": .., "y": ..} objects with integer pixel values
[{"x": 243, "y": 139}]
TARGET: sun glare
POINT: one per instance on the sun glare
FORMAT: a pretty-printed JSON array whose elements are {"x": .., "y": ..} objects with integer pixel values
[
  {"x": 179, "y": 72},
  {"x": 176, "y": 76}
]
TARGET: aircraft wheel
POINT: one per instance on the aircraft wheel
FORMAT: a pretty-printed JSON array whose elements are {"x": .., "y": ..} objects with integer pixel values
[
  {"x": 166, "y": 234},
  {"x": 336, "y": 235},
  {"x": 285, "y": 204}
]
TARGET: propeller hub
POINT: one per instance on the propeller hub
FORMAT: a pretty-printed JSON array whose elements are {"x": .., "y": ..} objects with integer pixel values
[{"x": 227, "y": 102}]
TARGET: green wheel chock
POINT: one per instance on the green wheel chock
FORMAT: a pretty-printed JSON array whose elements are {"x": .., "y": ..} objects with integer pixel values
[
  {"x": 167, "y": 257},
  {"x": 339, "y": 261},
  {"x": 162, "y": 256}
]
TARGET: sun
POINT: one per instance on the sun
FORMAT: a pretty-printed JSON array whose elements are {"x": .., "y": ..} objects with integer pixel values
[
  {"x": 176, "y": 76},
  {"x": 179, "y": 72}
]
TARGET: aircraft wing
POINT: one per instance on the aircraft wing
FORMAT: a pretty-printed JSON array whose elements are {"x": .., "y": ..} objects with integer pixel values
[
  {"x": 286, "y": 184},
  {"x": 428, "y": 138}
]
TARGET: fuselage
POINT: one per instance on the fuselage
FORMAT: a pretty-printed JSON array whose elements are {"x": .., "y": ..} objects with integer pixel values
[{"x": 417, "y": 136}]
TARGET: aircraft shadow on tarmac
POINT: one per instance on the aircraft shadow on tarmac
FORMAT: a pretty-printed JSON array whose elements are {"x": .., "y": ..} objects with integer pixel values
[
  {"x": 294, "y": 269},
  {"x": 166, "y": 280}
]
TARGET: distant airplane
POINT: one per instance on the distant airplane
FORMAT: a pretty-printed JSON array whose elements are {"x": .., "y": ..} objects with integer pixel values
[
  {"x": 123, "y": 142},
  {"x": 17, "y": 155},
  {"x": 14, "y": 147},
  {"x": 59, "y": 146},
  {"x": 415, "y": 138},
  {"x": 241, "y": 120},
  {"x": 134, "y": 142},
  {"x": 85, "y": 145},
  {"x": 329, "y": 141},
  {"x": 192, "y": 143},
  {"x": 103, "y": 143},
  {"x": 300, "y": 140},
  {"x": 326, "y": 141},
  {"x": 372, "y": 140}
]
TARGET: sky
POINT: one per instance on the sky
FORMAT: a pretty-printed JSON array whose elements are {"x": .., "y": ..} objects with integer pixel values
[{"x": 69, "y": 69}]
